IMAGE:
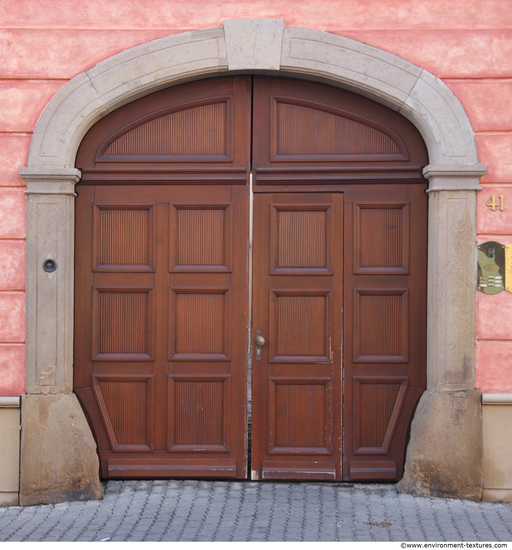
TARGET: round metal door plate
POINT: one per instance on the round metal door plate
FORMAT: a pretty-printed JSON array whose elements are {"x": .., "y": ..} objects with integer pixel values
[{"x": 50, "y": 265}]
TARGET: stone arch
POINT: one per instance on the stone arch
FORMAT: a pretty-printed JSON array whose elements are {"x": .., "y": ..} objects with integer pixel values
[
  {"x": 257, "y": 46},
  {"x": 254, "y": 45}
]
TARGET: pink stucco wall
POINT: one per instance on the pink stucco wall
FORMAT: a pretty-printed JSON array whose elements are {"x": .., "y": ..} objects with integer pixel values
[{"x": 467, "y": 43}]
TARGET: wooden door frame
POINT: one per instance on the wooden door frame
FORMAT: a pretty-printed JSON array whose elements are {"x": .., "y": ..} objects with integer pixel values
[{"x": 453, "y": 175}]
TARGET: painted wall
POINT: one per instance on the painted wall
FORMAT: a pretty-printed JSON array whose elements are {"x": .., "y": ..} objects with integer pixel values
[{"x": 468, "y": 44}]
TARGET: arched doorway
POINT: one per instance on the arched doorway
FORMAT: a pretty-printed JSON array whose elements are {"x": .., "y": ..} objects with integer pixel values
[
  {"x": 339, "y": 282},
  {"x": 254, "y": 46}
]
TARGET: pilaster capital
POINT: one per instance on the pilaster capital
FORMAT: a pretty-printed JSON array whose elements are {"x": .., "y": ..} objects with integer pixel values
[
  {"x": 50, "y": 181},
  {"x": 454, "y": 177}
]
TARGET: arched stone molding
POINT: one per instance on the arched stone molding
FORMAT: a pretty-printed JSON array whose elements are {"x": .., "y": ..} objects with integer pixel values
[
  {"x": 444, "y": 457},
  {"x": 254, "y": 45}
]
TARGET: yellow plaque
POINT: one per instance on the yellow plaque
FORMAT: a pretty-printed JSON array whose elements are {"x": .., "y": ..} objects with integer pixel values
[
  {"x": 491, "y": 267},
  {"x": 508, "y": 267}
]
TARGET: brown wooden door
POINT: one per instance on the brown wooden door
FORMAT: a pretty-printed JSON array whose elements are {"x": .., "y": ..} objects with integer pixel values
[
  {"x": 161, "y": 296},
  {"x": 339, "y": 282},
  {"x": 297, "y": 309},
  {"x": 339, "y": 408}
]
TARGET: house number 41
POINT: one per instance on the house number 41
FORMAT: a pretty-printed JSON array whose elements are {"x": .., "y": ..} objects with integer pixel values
[{"x": 493, "y": 205}]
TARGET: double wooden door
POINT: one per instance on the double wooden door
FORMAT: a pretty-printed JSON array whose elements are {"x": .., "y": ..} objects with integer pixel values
[{"x": 162, "y": 294}]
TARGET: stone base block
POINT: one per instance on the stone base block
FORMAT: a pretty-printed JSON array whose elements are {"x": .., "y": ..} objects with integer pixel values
[
  {"x": 58, "y": 453},
  {"x": 497, "y": 495},
  {"x": 497, "y": 439},
  {"x": 9, "y": 450},
  {"x": 9, "y": 498},
  {"x": 444, "y": 456}
]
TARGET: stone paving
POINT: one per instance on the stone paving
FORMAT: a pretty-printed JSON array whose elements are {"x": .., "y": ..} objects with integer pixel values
[{"x": 162, "y": 510}]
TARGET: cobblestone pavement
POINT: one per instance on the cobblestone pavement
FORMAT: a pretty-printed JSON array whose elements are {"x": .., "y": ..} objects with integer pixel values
[{"x": 242, "y": 511}]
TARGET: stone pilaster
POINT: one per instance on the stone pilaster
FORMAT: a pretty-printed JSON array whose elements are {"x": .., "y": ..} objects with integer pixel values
[
  {"x": 58, "y": 458},
  {"x": 50, "y": 235},
  {"x": 444, "y": 456}
]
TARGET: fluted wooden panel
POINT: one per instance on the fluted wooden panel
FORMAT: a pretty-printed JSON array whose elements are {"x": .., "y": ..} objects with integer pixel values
[
  {"x": 380, "y": 329},
  {"x": 123, "y": 322},
  {"x": 199, "y": 414},
  {"x": 123, "y": 237},
  {"x": 200, "y": 323},
  {"x": 197, "y": 131},
  {"x": 377, "y": 404},
  {"x": 306, "y": 130},
  {"x": 301, "y": 326},
  {"x": 201, "y": 237},
  {"x": 127, "y": 409},
  {"x": 300, "y": 415},
  {"x": 382, "y": 316},
  {"x": 381, "y": 238},
  {"x": 301, "y": 239}
]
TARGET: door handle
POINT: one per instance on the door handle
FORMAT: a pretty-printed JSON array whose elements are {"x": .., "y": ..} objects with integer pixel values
[{"x": 260, "y": 342}]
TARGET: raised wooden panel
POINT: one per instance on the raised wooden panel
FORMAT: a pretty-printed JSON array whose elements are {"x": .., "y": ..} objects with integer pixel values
[
  {"x": 373, "y": 470},
  {"x": 198, "y": 417},
  {"x": 381, "y": 238},
  {"x": 301, "y": 239},
  {"x": 306, "y": 131},
  {"x": 300, "y": 416},
  {"x": 199, "y": 324},
  {"x": 377, "y": 405},
  {"x": 200, "y": 237},
  {"x": 122, "y": 319},
  {"x": 198, "y": 132},
  {"x": 123, "y": 237},
  {"x": 126, "y": 406},
  {"x": 172, "y": 467},
  {"x": 299, "y": 325},
  {"x": 298, "y": 470},
  {"x": 381, "y": 325}
]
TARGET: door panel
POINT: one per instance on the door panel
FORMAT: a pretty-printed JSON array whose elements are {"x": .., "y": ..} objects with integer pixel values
[
  {"x": 302, "y": 124},
  {"x": 385, "y": 326},
  {"x": 167, "y": 361},
  {"x": 297, "y": 308}
]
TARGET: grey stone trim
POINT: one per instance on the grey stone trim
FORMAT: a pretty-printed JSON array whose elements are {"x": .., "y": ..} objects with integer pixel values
[
  {"x": 50, "y": 181},
  {"x": 418, "y": 95},
  {"x": 253, "y": 45},
  {"x": 37, "y": 175},
  {"x": 119, "y": 80},
  {"x": 497, "y": 398},
  {"x": 377, "y": 74},
  {"x": 437, "y": 113},
  {"x": 268, "y": 46},
  {"x": 454, "y": 170},
  {"x": 445, "y": 452},
  {"x": 10, "y": 402},
  {"x": 454, "y": 177},
  {"x": 49, "y": 296},
  {"x": 451, "y": 307}
]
